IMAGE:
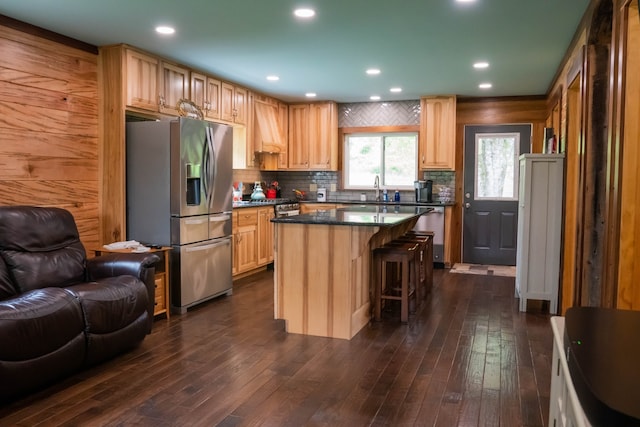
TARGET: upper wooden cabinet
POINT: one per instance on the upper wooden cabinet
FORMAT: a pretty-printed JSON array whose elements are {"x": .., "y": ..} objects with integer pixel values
[
  {"x": 174, "y": 85},
  {"x": 205, "y": 93},
  {"x": 268, "y": 135},
  {"x": 437, "y": 149},
  {"x": 313, "y": 136},
  {"x": 213, "y": 99},
  {"x": 234, "y": 103},
  {"x": 141, "y": 80},
  {"x": 198, "y": 90}
]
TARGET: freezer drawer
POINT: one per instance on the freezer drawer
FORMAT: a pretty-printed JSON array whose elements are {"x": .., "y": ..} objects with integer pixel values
[
  {"x": 200, "y": 271},
  {"x": 220, "y": 225},
  {"x": 189, "y": 230}
]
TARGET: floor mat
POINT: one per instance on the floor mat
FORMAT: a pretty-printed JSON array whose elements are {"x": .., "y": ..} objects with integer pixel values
[{"x": 488, "y": 270}]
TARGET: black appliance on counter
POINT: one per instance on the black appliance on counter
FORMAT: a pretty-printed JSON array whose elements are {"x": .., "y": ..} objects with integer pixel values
[
  {"x": 602, "y": 350},
  {"x": 424, "y": 191}
]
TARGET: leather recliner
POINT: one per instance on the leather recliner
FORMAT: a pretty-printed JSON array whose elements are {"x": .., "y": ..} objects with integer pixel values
[{"x": 59, "y": 311}]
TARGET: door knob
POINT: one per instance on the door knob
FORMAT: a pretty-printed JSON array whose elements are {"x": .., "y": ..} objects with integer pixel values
[
  {"x": 467, "y": 205},
  {"x": 467, "y": 195}
]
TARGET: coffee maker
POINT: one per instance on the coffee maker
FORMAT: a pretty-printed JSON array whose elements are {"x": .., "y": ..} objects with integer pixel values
[{"x": 424, "y": 191}]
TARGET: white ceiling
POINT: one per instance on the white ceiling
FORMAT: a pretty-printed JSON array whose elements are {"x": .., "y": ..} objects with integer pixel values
[{"x": 424, "y": 46}]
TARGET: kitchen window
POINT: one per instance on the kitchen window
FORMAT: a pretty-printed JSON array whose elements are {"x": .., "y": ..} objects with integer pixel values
[{"x": 391, "y": 156}]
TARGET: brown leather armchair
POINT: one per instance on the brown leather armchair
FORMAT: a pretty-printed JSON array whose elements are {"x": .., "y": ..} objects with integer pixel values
[{"x": 59, "y": 311}]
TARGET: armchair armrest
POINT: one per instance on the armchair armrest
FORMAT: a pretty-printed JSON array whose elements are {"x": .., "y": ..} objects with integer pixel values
[
  {"x": 118, "y": 264},
  {"x": 140, "y": 265}
]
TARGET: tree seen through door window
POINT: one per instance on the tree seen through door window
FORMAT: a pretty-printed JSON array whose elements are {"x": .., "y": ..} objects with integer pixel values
[{"x": 496, "y": 166}]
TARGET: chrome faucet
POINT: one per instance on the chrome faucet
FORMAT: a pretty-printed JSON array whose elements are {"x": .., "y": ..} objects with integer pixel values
[{"x": 376, "y": 185}]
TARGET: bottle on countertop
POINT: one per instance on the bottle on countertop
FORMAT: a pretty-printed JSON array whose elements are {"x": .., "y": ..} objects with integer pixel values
[
  {"x": 385, "y": 195},
  {"x": 396, "y": 196}
]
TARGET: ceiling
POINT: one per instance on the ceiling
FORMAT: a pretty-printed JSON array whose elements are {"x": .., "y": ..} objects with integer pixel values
[{"x": 423, "y": 46}]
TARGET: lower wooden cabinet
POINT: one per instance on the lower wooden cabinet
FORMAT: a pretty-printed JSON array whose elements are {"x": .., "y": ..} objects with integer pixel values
[
  {"x": 265, "y": 235},
  {"x": 252, "y": 238}
]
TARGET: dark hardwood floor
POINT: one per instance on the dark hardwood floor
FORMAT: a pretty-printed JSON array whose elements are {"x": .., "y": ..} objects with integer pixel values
[{"x": 466, "y": 358}]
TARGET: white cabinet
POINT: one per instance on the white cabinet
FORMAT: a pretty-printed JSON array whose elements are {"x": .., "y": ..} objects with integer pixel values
[
  {"x": 539, "y": 228},
  {"x": 564, "y": 406}
]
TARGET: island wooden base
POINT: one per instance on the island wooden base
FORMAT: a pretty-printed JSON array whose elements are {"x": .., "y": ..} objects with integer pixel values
[{"x": 323, "y": 276}]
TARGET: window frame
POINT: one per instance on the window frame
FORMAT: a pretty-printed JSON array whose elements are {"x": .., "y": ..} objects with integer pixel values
[{"x": 379, "y": 130}]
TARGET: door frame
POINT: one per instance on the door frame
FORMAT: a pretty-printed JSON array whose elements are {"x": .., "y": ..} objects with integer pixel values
[{"x": 497, "y": 128}]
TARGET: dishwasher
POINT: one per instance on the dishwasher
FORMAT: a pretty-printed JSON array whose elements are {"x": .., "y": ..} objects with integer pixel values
[{"x": 434, "y": 221}]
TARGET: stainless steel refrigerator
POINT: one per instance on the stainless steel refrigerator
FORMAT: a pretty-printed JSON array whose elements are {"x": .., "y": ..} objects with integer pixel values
[{"x": 179, "y": 194}]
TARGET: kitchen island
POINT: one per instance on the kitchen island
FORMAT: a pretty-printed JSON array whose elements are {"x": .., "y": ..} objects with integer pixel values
[{"x": 322, "y": 263}]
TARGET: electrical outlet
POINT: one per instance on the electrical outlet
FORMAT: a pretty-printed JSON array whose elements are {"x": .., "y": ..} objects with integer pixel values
[
  {"x": 333, "y": 187},
  {"x": 313, "y": 187}
]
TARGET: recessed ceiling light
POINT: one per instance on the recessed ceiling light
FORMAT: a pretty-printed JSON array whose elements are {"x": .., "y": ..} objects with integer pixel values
[
  {"x": 304, "y": 13},
  {"x": 466, "y": 1},
  {"x": 485, "y": 85},
  {"x": 481, "y": 64},
  {"x": 163, "y": 29},
  {"x": 273, "y": 78},
  {"x": 373, "y": 71},
  {"x": 310, "y": 94},
  {"x": 395, "y": 89},
  {"x": 374, "y": 98}
]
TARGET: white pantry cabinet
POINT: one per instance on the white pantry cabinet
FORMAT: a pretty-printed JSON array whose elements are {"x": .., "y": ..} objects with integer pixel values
[
  {"x": 564, "y": 406},
  {"x": 539, "y": 228}
]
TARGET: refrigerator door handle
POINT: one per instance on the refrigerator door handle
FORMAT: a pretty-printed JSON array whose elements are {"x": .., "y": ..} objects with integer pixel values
[
  {"x": 219, "y": 218},
  {"x": 209, "y": 246},
  {"x": 212, "y": 159},
  {"x": 208, "y": 165}
]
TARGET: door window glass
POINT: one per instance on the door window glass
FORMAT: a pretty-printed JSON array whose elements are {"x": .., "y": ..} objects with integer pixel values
[{"x": 496, "y": 166}]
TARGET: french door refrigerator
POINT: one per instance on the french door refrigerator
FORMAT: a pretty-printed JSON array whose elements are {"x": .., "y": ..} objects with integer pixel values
[{"x": 179, "y": 194}]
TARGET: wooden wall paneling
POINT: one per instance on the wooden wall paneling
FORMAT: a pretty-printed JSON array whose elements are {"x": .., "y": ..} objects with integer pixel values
[
  {"x": 628, "y": 267},
  {"x": 112, "y": 146},
  {"x": 592, "y": 284},
  {"x": 478, "y": 111},
  {"x": 569, "y": 261},
  {"x": 49, "y": 127}
]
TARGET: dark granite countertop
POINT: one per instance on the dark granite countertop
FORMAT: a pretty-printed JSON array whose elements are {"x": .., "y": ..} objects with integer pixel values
[
  {"x": 380, "y": 203},
  {"x": 360, "y": 215},
  {"x": 261, "y": 203}
]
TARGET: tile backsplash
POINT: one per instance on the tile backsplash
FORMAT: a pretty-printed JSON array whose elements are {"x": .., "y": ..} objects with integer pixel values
[{"x": 396, "y": 113}]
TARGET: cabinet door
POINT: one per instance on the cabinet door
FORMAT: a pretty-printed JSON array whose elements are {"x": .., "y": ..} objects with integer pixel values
[
  {"x": 142, "y": 81},
  {"x": 437, "y": 132},
  {"x": 283, "y": 119},
  {"x": 265, "y": 236},
  {"x": 213, "y": 99},
  {"x": 226, "y": 105},
  {"x": 246, "y": 248},
  {"x": 234, "y": 242},
  {"x": 174, "y": 82},
  {"x": 298, "y": 136},
  {"x": 323, "y": 137},
  {"x": 199, "y": 90},
  {"x": 240, "y": 105}
]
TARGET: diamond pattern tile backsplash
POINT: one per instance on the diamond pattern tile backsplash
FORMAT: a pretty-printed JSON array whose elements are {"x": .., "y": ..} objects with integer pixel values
[{"x": 397, "y": 113}]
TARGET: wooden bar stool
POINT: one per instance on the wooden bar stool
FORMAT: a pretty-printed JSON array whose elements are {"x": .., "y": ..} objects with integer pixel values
[
  {"x": 421, "y": 260},
  {"x": 427, "y": 257},
  {"x": 402, "y": 254}
]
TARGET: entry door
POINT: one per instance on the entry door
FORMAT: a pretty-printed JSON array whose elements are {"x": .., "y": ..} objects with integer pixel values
[{"x": 490, "y": 197}]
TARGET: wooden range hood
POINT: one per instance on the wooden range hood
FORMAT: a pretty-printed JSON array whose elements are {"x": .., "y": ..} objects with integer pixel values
[{"x": 268, "y": 135}]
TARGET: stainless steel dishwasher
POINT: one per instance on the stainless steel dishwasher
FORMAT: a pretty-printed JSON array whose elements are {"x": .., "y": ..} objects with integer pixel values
[{"x": 434, "y": 221}]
